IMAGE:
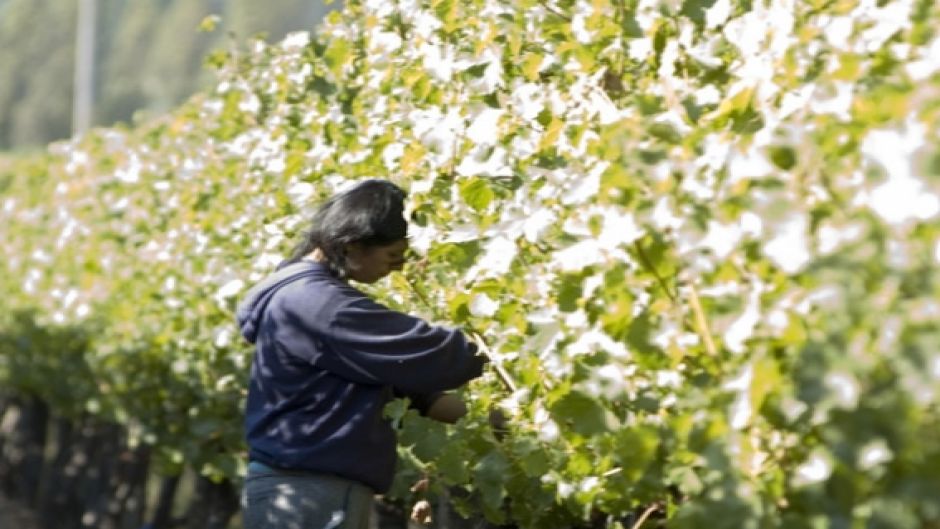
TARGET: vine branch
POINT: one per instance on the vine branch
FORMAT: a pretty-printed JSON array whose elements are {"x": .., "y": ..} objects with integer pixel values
[
  {"x": 646, "y": 514},
  {"x": 500, "y": 372},
  {"x": 554, "y": 11},
  {"x": 695, "y": 303},
  {"x": 700, "y": 322},
  {"x": 645, "y": 260}
]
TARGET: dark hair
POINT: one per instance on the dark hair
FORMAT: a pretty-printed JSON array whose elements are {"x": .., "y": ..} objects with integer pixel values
[{"x": 370, "y": 213}]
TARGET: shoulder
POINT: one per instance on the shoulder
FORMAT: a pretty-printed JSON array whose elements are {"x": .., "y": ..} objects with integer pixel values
[{"x": 316, "y": 297}]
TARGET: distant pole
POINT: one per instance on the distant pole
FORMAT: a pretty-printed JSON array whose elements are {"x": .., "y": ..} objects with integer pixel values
[{"x": 83, "y": 92}]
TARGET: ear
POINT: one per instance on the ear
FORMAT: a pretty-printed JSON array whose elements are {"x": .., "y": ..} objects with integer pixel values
[{"x": 354, "y": 252}]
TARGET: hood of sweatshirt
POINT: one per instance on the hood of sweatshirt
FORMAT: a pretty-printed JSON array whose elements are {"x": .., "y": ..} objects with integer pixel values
[{"x": 251, "y": 308}]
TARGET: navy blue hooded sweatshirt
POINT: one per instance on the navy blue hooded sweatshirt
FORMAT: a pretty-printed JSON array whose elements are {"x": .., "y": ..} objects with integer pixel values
[{"x": 327, "y": 360}]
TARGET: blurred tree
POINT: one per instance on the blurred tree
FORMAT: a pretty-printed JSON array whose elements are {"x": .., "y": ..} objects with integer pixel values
[
  {"x": 36, "y": 58},
  {"x": 149, "y": 56},
  {"x": 121, "y": 92},
  {"x": 249, "y": 17},
  {"x": 172, "y": 66}
]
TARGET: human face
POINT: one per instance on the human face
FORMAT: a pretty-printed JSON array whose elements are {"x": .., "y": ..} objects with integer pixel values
[{"x": 368, "y": 264}]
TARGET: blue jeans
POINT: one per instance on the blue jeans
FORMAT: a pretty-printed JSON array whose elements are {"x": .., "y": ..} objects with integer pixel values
[{"x": 285, "y": 499}]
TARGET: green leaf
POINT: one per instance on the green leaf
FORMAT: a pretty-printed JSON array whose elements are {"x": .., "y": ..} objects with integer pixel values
[
  {"x": 783, "y": 156},
  {"x": 850, "y": 67},
  {"x": 616, "y": 315},
  {"x": 650, "y": 104},
  {"x": 412, "y": 157},
  {"x": 544, "y": 117},
  {"x": 489, "y": 475},
  {"x": 550, "y": 159},
  {"x": 766, "y": 378},
  {"x": 430, "y": 438},
  {"x": 459, "y": 307},
  {"x": 321, "y": 86},
  {"x": 666, "y": 132},
  {"x": 452, "y": 462},
  {"x": 492, "y": 100},
  {"x": 692, "y": 110},
  {"x": 395, "y": 411},
  {"x": 553, "y": 131},
  {"x": 661, "y": 36},
  {"x": 209, "y": 23},
  {"x": 458, "y": 255},
  {"x": 530, "y": 65},
  {"x": 695, "y": 10},
  {"x": 631, "y": 28},
  {"x": 569, "y": 292},
  {"x": 747, "y": 121},
  {"x": 447, "y": 12},
  {"x": 636, "y": 449},
  {"x": 337, "y": 55},
  {"x": 476, "y": 192},
  {"x": 476, "y": 71},
  {"x": 582, "y": 414},
  {"x": 532, "y": 456},
  {"x": 737, "y": 102},
  {"x": 639, "y": 333}
]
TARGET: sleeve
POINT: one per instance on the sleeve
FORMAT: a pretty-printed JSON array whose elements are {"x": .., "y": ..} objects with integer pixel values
[
  {"x": 374, "y": 344},
  {"x": 421, "y": 402}
]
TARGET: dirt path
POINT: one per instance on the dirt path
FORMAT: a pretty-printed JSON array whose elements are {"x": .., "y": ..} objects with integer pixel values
[{"x": 13, "y": 516}]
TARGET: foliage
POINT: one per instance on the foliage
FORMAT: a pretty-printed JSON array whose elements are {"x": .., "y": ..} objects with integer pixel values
[{"x": 700, "y": 236}]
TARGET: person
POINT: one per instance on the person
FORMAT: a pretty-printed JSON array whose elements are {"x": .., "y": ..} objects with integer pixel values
[{"x": 327, "y": 360}]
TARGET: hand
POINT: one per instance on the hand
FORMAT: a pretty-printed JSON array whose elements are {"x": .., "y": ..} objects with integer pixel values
[
  {"x": 421, "y": 512},
  {"x": 421, "y": 486},
  {"x": 448, "y": 408}
]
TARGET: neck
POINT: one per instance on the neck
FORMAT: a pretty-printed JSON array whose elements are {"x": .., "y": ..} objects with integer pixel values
[{"x": 316, "y": 256}]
